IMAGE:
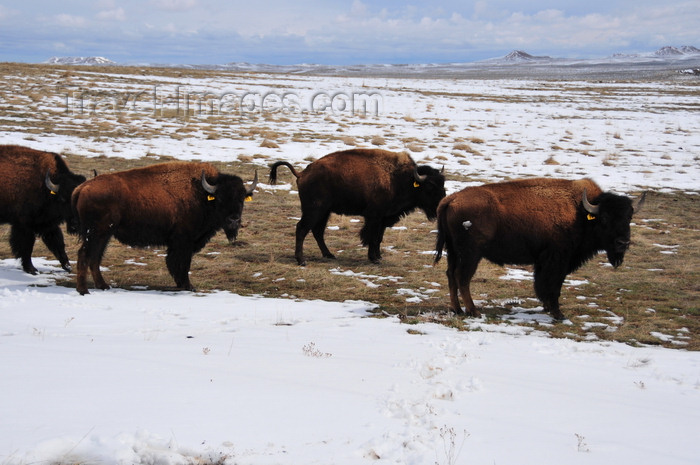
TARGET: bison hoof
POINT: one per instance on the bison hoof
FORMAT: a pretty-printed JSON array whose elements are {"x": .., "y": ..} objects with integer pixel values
[
  {"x": 82, "y": 291},
  {"x": 329, "y": 256},
  {"x": 31, "y": 270},
  {"x": 67, "y": 267}
]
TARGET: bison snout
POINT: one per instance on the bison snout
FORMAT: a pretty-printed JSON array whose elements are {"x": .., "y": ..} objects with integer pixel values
[
  {"x": 621, "y": 245},
  {"x": 231, "y": 227}
]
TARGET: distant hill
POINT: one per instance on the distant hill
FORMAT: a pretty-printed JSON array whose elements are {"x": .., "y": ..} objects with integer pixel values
[
  {"x": 670, "y": 51},
  {"x": 80, "y": 61},
  {"x": 517, "y": 56},
  {"x": 666, "y": 61}
]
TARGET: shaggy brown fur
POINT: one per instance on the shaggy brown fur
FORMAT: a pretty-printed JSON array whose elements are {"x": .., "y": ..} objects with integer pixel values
[
  {"x": 31, "y": 206},
  {"x": 533, "y": 221},
  {"x": 164, "y": 204},
  {"x": 379, "y": 185}
]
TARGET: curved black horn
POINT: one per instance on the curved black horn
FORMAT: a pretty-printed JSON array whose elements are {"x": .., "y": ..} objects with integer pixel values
[
  {"x": 418, "y": 177},
  {"x": 207, "y": 187},
  {"x": 588, "y": 206},
  {"x": 639, "y": 203},
  {"x": 49, "y": 185},
  {"x": 250, "y": 190}
]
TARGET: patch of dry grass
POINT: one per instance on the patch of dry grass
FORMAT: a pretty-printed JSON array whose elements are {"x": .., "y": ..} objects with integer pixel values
[
  {"x": 655, "y": 292},
  {"x": 653, "y": 298}
]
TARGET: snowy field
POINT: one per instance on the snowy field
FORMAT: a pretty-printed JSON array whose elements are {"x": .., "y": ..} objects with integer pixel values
[{"x": 129, "y": 377}]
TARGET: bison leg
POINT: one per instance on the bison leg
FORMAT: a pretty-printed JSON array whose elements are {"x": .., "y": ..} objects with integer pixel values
[
  {"x": 452, "y": 283},
  {"x": 372, "y": 234},
  {"x": 179, "y": 261},
  {"x": 462, "y": 273},
  {"x": 53, "y": 238},
  {"x": 548, "y": 282},
  {"x": 318, "y": 231},
  {"x": 22, "y": 243},
  {"x": 90, "y": 256},
  {"x": 311, "y": 221},
  {"x": 81, "y": 278},
  {"x": 302, "y": 231}
]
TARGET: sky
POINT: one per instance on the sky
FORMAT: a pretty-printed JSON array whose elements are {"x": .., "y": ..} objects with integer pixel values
[{"x": 339, "y": 32}]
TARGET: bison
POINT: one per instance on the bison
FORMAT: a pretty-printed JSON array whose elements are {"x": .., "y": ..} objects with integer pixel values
[
  {"x": 379, "y": 185},
  {"x": 180, "y": 205},
  {"x": 35, "y": 192},
  {"x": 555, "y": 224}
]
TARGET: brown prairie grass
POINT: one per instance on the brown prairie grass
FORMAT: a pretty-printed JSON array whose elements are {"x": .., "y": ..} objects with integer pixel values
[{"x": 656, "y": 291}]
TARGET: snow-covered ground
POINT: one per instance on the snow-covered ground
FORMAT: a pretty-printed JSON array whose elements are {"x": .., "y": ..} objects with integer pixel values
[
  {"x": 123, "y": 377},
  {"x": 129, "y": 377},
  {"x": 625, "y": 135}
]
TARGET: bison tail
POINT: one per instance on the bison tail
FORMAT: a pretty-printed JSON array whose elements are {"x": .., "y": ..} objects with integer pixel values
[
  {"x": 273, "y": 170},
  {"x": 75, "y": 218},
  {"x": 442, "y": 230}
]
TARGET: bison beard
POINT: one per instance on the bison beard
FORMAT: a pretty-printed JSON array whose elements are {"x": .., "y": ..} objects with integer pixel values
[
  {"x": 549, "y": 223},
  {"x": 179, "y": 205},
  {"x": 35, "y": 199},
  {"x": 379, "y": 185}
]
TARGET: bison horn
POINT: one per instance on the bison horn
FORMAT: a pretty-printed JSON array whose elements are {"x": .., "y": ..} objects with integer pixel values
[
  {"x": 250, "y": 190},
  {"x": 51, "y": 186},
  {"x": 588, "y": 206},
  {"x": 639, "y": 204},
  {"x": 207, "y": 187},
  {"x": 418, "y": 177}
]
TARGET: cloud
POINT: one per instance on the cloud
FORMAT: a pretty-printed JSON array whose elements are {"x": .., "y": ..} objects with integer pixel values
[
  {"x": 116, "y": 14},
  {"x": 67, "y": 20},
  {"x": 279, "y": 31},
  {"x": 6, "y": 12},
  {"x": 175, "y": 5}
]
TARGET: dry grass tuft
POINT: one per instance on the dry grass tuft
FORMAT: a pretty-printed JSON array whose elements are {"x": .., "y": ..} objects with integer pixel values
[{"x": 377, "y": 140}]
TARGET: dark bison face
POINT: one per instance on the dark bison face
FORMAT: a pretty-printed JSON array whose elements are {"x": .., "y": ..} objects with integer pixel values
[
  {"x": 228, "y": 196},
  {"x": 60, "y": 188},
  {"x": 613, "y": 214},
  {"x": 430, "y": 185}
]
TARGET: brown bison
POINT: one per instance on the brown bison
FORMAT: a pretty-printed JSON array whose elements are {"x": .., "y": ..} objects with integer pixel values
[
  {"x": 379, "y": 185},
  {"x": 180, "y": 205},
  {"x": 555, "y": 224},
  {"x": 35, "y": 191}
]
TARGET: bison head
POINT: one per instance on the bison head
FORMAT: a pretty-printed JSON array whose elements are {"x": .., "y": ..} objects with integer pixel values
[
  {"x": 429, "y": 186},
  {"x": 227, "y": 196},
  {"x": 611, "y": 216},
  {"x": 60, "y": 188}
]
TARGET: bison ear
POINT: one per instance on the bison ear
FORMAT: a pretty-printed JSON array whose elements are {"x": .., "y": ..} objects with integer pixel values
[
  {"x": 210, "y": 189},
  {"x": 250, "y": 190},
  {"x": 589, "y": 207},
  {"x": 53, "y": 188}
]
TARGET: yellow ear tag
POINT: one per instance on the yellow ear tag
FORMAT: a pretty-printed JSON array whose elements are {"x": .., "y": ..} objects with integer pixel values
[
  {"x": 415, "y": 184},
  {"x": 249, "y": 198},
  {"x": 52, "y": 192},
  {"x": 210, "y": 197},
  {"x": 590, "y": 217}
]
